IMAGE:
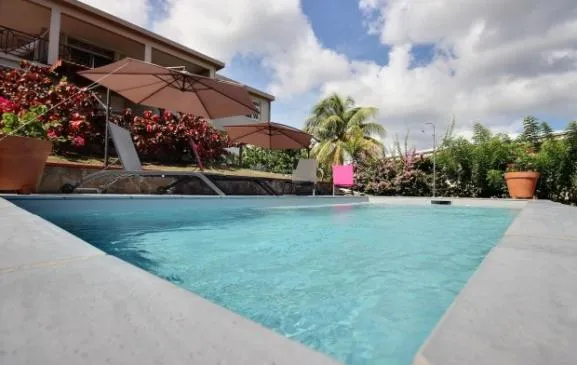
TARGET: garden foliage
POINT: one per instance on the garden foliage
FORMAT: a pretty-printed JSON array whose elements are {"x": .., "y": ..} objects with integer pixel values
[
  {"x": 475, "y": 167},
  {"x": 36, "y": 102}
]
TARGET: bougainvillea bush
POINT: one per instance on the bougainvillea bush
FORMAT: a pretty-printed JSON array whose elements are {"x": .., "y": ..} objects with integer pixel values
[
  {"x": 67, "y": 112},
  {"x": 404, "y": 174},
  {"x": 166, "y": 137}
]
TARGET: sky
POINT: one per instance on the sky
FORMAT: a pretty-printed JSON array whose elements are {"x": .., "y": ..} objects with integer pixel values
[{"x": 417, "y": 61}]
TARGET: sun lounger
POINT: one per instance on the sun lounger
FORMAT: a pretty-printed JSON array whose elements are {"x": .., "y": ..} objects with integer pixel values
[
  {"x": 306, "y": 171},
  {"x": 132, "y": 167}
]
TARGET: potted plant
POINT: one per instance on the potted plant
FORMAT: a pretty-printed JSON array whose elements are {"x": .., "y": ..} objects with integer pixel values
[
  {"x": 24, "y": 147},
  {"x": 521, "y": 176}
]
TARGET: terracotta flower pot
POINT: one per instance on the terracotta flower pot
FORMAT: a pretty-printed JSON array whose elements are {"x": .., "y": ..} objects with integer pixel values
[
  {"x": 521, "y": 185},
  {"x": 22, "y": 161}
]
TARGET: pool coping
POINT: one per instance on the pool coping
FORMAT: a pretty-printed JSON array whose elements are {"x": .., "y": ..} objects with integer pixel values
[{"x": 473, "y": 330}]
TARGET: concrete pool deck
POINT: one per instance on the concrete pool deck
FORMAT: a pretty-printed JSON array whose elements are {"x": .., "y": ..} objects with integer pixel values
[{"x": 65, "y": 302}]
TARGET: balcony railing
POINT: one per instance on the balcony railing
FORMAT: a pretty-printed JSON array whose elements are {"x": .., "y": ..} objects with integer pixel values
[
  {"x": 35, "y": 48},
  {"x": 23, "y": 45}
]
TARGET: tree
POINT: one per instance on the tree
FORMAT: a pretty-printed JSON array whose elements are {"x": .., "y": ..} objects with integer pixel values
[
  {"x": 342, "y": 130},
  {"x": 474, "y": 168},
  {"x": 531, "y": 132}
]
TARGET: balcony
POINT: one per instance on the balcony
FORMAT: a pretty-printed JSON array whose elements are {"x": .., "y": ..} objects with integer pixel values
[
  {"x": 22, "y": 45},
  {"x": 35, "y": 48}
]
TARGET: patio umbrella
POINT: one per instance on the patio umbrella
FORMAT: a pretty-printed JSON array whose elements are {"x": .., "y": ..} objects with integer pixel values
[
  {"x": 272, "y": 136},
  {"x": 149, "y": 84}
]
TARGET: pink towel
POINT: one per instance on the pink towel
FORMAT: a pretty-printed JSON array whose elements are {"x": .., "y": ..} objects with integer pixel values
[{"x": 343, "y": 175}]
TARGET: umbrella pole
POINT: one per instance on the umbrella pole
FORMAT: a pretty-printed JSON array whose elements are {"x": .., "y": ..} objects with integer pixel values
[
  {"x": 106, "y": 128},
  {"x": 240, "y": 156}
]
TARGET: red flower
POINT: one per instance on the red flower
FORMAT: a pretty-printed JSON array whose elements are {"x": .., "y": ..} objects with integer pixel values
[
  {"x": 78, "y": 141},
  {"x": 6, "y": 106},
  {"x": 76, "y": 124}
]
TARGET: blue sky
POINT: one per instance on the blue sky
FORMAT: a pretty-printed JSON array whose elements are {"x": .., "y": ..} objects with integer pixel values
[{"x": 339, "y": 26}]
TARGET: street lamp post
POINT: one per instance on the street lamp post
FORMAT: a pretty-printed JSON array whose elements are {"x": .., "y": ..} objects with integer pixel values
[{"x": 434, "y": 158}]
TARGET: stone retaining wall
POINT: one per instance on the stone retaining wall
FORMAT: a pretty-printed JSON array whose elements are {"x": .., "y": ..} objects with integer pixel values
[{"x": 58, "y": 175}]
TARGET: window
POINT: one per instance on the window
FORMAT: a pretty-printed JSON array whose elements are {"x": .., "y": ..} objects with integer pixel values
[
  {"x": 88, "y": 55},
  {"x": 255, "y": 115}
]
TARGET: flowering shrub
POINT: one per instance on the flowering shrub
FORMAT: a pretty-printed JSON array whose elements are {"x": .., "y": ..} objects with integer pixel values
[
  {"x": 66, "y": 110},
  {"x": 400, "y": 175},
  {"x": 167, "y": 137}
]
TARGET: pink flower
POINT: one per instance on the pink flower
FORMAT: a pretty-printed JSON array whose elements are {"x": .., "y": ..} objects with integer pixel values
[
  {"x": 78, "y": 141},
  {"x": 52, "y": 135},
  {"x": 6, "y": 106}
]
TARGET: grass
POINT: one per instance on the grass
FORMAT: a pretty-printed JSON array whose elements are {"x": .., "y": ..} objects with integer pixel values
[{"x": 90, "y": 161}]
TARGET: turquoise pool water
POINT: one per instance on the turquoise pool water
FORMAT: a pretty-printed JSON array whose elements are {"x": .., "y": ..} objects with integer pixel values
[{"x": 363, "y": 284}]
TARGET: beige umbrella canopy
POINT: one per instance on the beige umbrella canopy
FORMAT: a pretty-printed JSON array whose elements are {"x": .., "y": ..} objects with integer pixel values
[
  {"x": 180, "y": 91},
  {"x": 272, "y": 136}
]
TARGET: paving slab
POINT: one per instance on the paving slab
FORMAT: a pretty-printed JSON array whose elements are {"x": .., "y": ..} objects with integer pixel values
[
  {"x": 519, "y": 309},
  {"x": 469, "y": 202},
  {"x": 101, "y": 310},
  {"x": 27, "y": 239},
  {"x": 559, "y": 246},
  {"x": 545, "y": 219}
]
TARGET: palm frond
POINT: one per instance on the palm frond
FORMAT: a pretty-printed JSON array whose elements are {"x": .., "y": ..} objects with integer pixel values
[
  {"x": 360, "y": 114},
  {"x": 374, "y": 129}
]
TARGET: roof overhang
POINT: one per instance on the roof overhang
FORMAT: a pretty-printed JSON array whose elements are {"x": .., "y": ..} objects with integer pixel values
[
  {"x": 250, "y": 89},
  {"x": 89, "y": 10}
]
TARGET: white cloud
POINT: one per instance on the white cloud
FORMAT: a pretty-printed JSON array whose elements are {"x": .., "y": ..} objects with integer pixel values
[
  {"x": 495, "y": 61},
  {"x": 134, "y": 11},
  {"x": 277, "y": 31}
]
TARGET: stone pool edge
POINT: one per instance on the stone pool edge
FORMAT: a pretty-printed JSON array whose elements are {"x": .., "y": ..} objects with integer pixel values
[
  {"x": 67, "y": 302},
  {"x": 517, "y": 307}
]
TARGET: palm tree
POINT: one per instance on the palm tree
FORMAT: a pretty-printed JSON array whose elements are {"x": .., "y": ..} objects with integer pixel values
[{"x": 342, "y": 130}]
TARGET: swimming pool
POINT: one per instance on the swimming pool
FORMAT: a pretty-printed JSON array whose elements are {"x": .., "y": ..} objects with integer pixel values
[{"x": 364, "y": 284}]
